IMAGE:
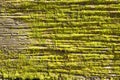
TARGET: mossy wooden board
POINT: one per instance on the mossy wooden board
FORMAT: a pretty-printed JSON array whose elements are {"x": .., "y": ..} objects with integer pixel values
[{"x": 60, "y": 39}]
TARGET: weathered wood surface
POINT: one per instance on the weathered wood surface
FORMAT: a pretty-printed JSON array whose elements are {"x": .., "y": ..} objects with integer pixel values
[
  {"x": 13, "y": 36},
  {"x": 64, "y": 40}
]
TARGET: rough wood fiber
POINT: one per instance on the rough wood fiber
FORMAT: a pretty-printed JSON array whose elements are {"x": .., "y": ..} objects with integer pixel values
[
  {"x": 69, "y": 39},
  {"x": 13, "y": 36}
]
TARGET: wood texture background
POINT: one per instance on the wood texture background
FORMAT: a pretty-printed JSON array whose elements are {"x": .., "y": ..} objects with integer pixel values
[{"x": 60, "y": 39}]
